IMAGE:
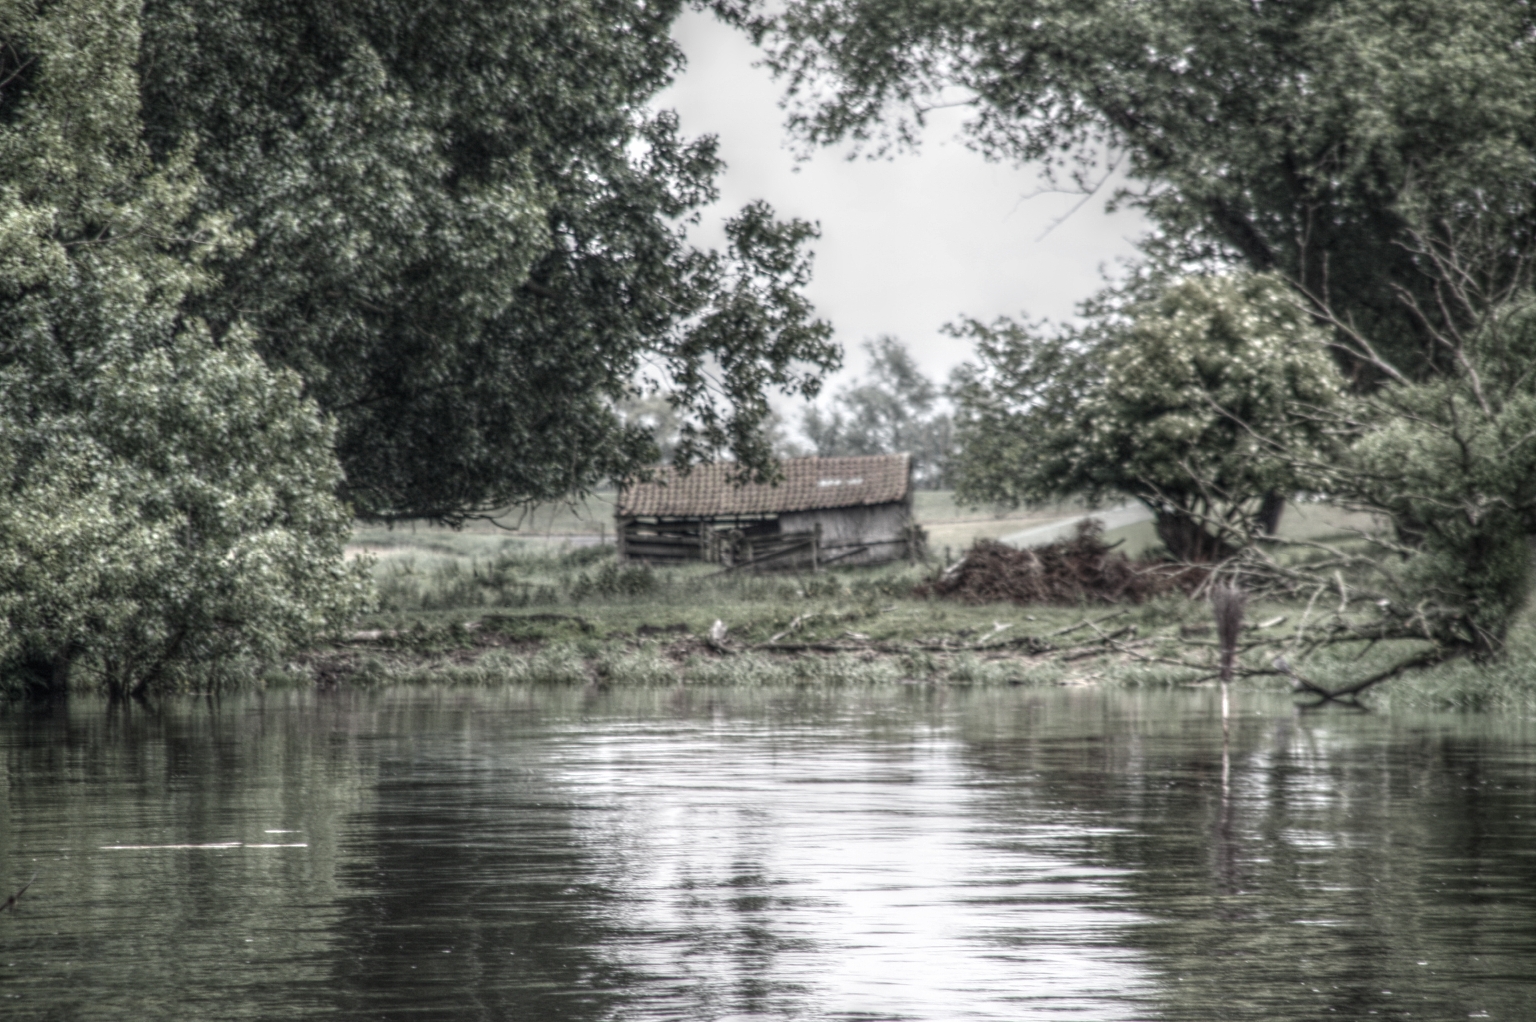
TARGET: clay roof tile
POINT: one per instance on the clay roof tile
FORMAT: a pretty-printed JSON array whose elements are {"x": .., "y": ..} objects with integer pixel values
[{"x": 807, "y": 484}]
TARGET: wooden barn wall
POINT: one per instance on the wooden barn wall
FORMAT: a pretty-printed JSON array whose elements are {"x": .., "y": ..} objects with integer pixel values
[{"x": 879, "y": 526}]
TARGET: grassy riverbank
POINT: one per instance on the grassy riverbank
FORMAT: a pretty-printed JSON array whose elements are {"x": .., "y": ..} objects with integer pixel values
[{"x": 484, "y": 607}]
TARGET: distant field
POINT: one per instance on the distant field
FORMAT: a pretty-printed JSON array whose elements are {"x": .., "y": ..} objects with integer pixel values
[
  {"x": 951, "y": 526},
  {"x": 590, "y": 521},
  {"x": 1305, "y": 521},
  {"x": 1322, "y": 521},
  {"x": 956, "y": 526}
]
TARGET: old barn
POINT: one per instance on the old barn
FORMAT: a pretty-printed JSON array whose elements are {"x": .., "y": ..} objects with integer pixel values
[{"x": 823, "y": 511}]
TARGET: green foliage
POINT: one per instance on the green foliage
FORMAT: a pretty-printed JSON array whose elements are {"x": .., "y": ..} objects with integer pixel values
[
  {"x": 1307, "y": 138},
  {"x": 179, "y": 517},
  {"x": 1452, "y": 463},
  {"x": 659, "y": 416},
  {"x": 1461, "y": 484},
  {"x": 615, "y": 579},
  {"x": 1178, "y": 400},
  {"x": 465, "y": 227},
  {"x": 894, "y": 410},
  {"x": 501, "y": 582},
  {"x": 168, "y": 505},
  {"x": 444, "y": 584},
  {"x": 514, "y": 579},
  {"x": 1376, "y": 156}
]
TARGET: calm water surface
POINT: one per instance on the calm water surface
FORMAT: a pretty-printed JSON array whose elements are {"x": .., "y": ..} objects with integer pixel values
[{"x": 898, "y": 854}]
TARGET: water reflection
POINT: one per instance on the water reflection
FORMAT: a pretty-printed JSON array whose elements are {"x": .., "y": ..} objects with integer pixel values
[
  {"x": 756, "y": 855},
  {"x": 799, "y": 861},
  {"x": 1350, "y": 866}
]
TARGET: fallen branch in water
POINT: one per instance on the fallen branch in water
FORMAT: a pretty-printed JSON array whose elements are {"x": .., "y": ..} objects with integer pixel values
[{"x": 11, "y": 901}]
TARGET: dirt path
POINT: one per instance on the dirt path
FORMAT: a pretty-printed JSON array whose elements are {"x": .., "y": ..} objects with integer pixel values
[{"x": 1113, "y": 518}]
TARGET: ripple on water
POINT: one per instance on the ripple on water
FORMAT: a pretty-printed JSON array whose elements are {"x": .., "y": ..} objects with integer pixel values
[{"x": 540, "y": 854}]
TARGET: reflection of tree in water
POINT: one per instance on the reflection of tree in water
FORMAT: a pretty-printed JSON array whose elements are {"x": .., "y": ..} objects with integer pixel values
[
  {"x": 464, "y": 899},
  {"x": 1338, "y": 856},
  {"x": 449, "y": 872},
  {"x": 161, "y": 933},
  {"x": 465, "y": 864}
]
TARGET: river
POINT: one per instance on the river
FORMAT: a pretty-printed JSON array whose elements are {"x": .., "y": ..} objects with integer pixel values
[{"x": 911, "y": 853}]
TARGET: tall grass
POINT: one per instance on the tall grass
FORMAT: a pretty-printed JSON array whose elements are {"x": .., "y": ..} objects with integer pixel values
[
  {"x": 578, "y": 616},
  {"x": 435, "y": 579}
]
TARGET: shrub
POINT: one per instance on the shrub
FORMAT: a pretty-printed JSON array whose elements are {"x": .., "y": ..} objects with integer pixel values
[
  {"x": 166, "y": 500},
  {"x": 181, "y": 517},
  {"x": 614, "y": 579}
]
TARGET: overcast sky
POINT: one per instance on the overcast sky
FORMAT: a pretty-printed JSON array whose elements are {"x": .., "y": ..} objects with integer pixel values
[{"x": 908, "y": 244}]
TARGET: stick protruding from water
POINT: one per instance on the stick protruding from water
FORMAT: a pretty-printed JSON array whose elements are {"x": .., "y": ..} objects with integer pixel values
[
  {"x": 13, "y": 899},
  {"x": 1228, "y": 603}
]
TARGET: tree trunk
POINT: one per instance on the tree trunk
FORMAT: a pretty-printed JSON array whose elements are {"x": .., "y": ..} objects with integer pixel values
[
  {"x": 1268, "y": 519},
  {"x": 48, "y": 677},
  {"x": 1187, "y": 540}
]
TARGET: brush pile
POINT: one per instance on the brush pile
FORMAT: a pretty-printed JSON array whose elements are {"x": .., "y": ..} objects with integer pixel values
[{"x": 1081, "y": 569}]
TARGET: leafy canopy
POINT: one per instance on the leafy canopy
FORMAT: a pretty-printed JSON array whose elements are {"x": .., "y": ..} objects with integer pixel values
[
  {"x": 1306, "y": 137},
  {"x": 1379, "y": 156},
  {"x": 464, "y": 228},
  {"x": 166, "y": 502},
  {"x": 1452, "y": 463},
  {"x": 1175, "y": 399}
]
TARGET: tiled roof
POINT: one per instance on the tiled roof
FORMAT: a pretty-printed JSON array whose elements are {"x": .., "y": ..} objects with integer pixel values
[{"x": 808, "y": 484}]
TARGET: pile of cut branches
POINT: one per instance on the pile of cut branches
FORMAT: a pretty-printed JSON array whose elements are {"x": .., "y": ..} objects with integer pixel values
[{"x": 1080, "y": 569}]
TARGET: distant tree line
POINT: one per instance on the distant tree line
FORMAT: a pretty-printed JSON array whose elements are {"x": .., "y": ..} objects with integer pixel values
[{"x": 894, "y": 409}]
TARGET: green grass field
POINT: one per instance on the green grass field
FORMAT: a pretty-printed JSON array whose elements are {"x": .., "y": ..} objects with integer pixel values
[{"x": 548, "y": 602}]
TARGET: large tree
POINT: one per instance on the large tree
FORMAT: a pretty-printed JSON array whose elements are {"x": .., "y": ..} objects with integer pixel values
[
  {"x": 465, "y": 227},
  {"x": 167, "y": 502},
  {"x": 1326, "y": 140},
  {"x": 1379, "y": 155},
  {"x": 1203, "y": 400}
]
